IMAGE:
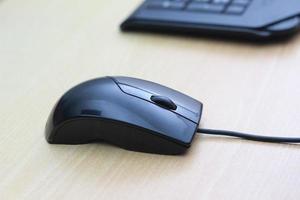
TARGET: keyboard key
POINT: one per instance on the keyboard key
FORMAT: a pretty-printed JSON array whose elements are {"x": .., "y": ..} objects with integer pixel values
[
  {"x": 205, "y": 7},
  {"x": 202, "y": 1},
  {"x": 235, "y": 9},
  {"x": 177, "y": 5},
  {"x": 241, "y": 2},
  {"x": 221, "y": 1}
]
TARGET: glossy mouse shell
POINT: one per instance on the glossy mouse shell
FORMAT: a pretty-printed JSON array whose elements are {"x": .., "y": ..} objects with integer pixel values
[{"x": 119, "y": 111}]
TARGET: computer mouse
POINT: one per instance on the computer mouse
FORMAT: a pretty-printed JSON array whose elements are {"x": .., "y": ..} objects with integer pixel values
[{"x": 130, "y": 113}]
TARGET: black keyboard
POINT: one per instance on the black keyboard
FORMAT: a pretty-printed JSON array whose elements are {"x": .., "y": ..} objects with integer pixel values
[
  {"x": 236, "y": 7},
  {"x": 250, "y": 19}
]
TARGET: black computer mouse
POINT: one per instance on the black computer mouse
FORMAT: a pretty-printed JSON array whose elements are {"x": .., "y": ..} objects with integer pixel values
[{"x": 131, "y": 113}]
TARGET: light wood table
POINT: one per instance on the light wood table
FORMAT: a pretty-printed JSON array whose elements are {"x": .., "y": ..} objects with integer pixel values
[{"x": 46, "y": 47}]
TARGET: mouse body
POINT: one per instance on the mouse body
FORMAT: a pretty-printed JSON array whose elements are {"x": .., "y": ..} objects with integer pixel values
[{"x": 131, "y": 113}]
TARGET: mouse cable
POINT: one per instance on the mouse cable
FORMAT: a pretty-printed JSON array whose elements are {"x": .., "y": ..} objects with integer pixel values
[{"x": 245, "y": 136}]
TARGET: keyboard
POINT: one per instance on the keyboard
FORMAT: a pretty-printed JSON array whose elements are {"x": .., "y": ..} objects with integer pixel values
[
  {"x": 231, "y": 7},
  {"x": 243, "y": 19}
]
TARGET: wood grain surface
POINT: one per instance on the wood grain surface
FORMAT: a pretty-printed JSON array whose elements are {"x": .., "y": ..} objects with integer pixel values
[{"x": 46, "y": 47}]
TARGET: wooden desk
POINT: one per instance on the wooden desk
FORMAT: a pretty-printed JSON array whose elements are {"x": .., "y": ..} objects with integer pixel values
[{"x": 46, "y": 47}]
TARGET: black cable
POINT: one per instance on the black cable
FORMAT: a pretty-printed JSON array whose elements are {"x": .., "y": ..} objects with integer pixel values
[{"x": 259, "y": 138}]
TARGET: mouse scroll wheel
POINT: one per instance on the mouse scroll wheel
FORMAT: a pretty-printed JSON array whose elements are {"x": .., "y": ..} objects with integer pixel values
[{"x": 164, "y": 102}]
